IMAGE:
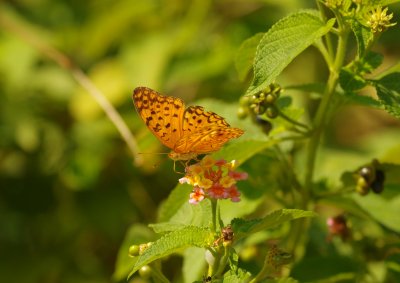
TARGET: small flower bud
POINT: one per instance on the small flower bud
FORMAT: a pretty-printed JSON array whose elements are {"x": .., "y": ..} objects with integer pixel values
[{"x": 378, "y": 20}]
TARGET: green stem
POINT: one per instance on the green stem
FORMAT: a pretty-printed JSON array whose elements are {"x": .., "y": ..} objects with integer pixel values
[
  {"x": 158, "y": 275},
  {"x": 328, "y": 38},
  {"x": 319, "y": 124},
  {"x": 264, "y": 272},
  {"x": 321, "y": 115},
  {"x": 214, "y": 216},
  {"x": 294, "y": 122}
]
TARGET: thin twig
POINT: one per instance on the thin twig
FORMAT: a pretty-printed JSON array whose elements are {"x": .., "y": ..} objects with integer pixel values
[{"x": 65, "y": 62}]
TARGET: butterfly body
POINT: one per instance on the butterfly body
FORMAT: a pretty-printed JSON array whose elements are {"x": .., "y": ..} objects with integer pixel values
[{"x": 188, "y": 132}]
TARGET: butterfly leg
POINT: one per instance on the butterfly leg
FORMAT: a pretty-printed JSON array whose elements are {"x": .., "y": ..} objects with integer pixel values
[{"x": 176, "y": 170}]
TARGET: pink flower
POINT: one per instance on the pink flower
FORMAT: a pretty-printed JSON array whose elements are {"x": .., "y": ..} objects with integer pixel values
[
  {"x": 234, "y": 194},
  {"x": 238, "y": 176},
  {"x": 213, "y": 179},
  {"x": 196, "y": 196}
]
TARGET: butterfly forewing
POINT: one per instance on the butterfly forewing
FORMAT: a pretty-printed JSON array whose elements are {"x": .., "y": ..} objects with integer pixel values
[
  {"x": 163, "y": 115},
  {"x": 196, "y": 117}
]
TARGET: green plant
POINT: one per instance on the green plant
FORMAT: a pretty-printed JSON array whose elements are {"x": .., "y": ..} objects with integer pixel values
[{"x": 286, "y": 143}]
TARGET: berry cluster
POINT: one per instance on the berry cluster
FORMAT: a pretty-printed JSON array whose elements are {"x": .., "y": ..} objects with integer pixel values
[
  {"x": 370, "y": 177},
  {"x": 259, "y": 104}
]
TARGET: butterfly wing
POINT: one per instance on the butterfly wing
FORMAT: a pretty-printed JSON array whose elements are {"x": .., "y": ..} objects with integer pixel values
[
  {"x": 163, "y": 115},
  {"x": 204, "y": 132}
]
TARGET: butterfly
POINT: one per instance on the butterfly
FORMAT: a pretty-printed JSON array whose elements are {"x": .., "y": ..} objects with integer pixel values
[{"x": 189, "y": 131}]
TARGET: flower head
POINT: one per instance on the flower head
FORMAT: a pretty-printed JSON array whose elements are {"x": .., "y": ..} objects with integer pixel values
[
  {"x": 378, "y": 19},
  {"x": 213, "y": 179}
]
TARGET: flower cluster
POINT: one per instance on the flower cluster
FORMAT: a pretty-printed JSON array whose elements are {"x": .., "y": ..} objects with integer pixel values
[{"x": 213, "y": 179}]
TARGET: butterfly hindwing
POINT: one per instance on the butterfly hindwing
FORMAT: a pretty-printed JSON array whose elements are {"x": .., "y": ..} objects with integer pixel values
[
  {"x": 204, "y": 132},
  {"x": 207, "y": 139}
]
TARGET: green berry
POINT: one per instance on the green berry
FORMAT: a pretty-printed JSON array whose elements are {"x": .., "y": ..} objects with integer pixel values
[
  {"x": 242, "y": 112},
  {"x": 145, "y": 272},
  {"x": 244, "y": 101},
  {"x": 362, "y": 186},
  {"x": 259, "y": 109},
  {"x": 270, "y": 98},
  {"x": 272, "y": 112},
  {"x": 133, "y": 250}
]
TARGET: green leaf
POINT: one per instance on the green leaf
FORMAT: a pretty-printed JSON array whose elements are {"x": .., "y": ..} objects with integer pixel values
[
  {"x": 177, "y": 211},
  {"x": 244, "y": 149},
  {"x": 174, "y": 242},
  {"x": 371, "y": 61},
  {"x": 245, "y": 55},
  {"x": 363, "y": 100},
  {"x": 282, "y": 43},
  {"x": 194, "y": 264},
  {"x": 238, "y": 276},
  {"x": 318, "y": 88},
  {"x": 178, "y": 196},
  {"x": 363, "y": 36},
  {"x": 282, "y": 280},
  {"x": 384, "y": 211},
  {"x": 243, "y": 227},
  {"x": 137, "y": 234},
  {"x": 388, "y": 90},
  {"x": 350, "y": 81}
]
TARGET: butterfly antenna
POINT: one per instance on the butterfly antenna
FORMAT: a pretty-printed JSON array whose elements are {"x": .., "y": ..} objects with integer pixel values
[{"x": 153, "y": 153}]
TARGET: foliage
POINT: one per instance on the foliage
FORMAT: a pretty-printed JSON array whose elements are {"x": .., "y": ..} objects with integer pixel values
[{"x": 316, "y": 90}]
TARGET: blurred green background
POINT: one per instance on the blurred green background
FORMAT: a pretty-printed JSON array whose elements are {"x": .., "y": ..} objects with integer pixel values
[{"x": 68, "y": 187}]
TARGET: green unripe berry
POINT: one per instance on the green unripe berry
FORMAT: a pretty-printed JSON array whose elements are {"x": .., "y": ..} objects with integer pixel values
[
  {"x": 244, "y": 101},
  {"x": 362, "y": 186},
  {"x": 133, "y": 251},
  {"x": 145, "y": 272},
  {"x": 259, "y": 109},
  {"x": 242, "y": 112},
  {"x": 272, "y": 112},
  {"x": 271, "y": 98}
]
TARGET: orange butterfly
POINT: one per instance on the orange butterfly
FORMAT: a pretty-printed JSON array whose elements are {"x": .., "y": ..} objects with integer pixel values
[{"x": 187, "y": 132}]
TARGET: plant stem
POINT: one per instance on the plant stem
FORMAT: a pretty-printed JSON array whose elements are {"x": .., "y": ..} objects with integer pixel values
[
  {"x": 294, "y": 122},
  {"x": 214, "y": 204},
  {"x": 319, "y": 124},
  {"x": 321, "y": 115}
]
